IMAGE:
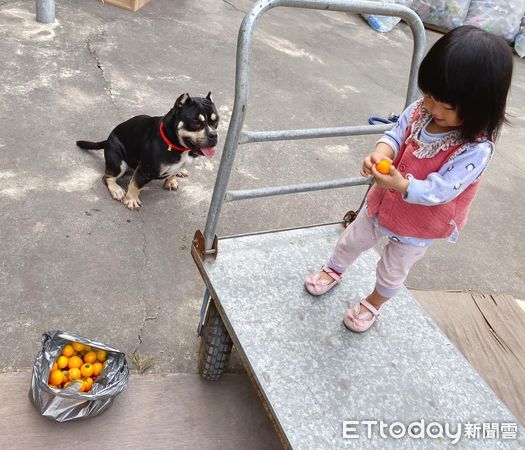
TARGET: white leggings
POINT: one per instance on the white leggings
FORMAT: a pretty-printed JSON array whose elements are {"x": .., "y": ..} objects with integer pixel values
[{"x": 396, "y": 260}]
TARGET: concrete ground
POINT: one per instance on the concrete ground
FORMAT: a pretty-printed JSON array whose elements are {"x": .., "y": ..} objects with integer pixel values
[{"x": 74, "y": 259}]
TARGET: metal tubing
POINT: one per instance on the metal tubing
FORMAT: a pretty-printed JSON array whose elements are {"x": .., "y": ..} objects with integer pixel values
[
  {"x": 244, "y": 194},
  {"x": 283, "y": 135},
  {"x": 204, "y": 309},
  {"x": 45, "y": 11},
  {"x": 242, "y": 78}
]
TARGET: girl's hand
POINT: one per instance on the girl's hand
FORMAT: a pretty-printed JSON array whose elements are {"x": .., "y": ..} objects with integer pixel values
[
  {"x": 370, "y": 161},
  {"x": 393, "y": 180}
]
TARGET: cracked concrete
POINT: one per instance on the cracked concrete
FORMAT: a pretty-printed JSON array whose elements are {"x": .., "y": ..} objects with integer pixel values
[
  {"x": 74, "y": 259},
  {"x": 233, "y": 6},
  {"x": 93, "y": 52}
]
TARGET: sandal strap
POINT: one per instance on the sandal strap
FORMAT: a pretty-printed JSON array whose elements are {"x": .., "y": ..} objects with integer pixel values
[
  {"x": 331, "y": 272},
  {"x": 370, "y": 308}
]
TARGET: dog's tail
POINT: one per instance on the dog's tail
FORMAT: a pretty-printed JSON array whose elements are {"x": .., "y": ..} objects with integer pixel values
[{"x": 86, "y": 145}]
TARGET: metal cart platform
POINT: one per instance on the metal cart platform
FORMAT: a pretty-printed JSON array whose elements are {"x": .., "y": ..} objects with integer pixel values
[{"x": 315, "y": 378}]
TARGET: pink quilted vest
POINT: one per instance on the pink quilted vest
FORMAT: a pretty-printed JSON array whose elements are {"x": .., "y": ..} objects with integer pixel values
[{"x": 419, "y": 160}]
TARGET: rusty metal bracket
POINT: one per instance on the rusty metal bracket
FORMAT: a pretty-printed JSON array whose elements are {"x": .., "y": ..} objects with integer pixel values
[{"x": 198, "y": 247}]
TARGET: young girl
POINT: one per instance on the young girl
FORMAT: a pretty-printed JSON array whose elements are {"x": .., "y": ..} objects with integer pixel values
[{"x": 440, "y": 147}]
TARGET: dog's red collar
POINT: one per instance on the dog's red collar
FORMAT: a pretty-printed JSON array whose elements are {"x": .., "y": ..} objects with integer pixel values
[{"x": 168, "y": 143}]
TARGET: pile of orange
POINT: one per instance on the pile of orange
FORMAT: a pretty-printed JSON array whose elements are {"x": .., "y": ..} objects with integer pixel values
[{"x": 77, "y": 362}]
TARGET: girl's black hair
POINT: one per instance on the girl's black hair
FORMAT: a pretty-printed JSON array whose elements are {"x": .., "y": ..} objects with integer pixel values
[{"x": 471, "y": 70}]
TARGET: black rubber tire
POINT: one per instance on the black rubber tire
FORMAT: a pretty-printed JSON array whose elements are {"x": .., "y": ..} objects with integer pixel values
[{"x": 215, "y": 347}]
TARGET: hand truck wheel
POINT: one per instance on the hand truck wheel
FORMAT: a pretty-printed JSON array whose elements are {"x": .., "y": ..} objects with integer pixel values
[{"x": 215, "y": 346}]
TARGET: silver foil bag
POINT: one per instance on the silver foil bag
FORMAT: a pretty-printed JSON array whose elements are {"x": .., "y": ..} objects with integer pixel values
[{"x": 63, "y": 405}]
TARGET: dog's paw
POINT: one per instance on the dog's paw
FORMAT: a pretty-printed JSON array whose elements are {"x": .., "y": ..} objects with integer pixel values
[
  {"x": 183, "y": 173},
  {"x": 171, "y": 184},
  {"x": 117, "y": 193},
  {"x": 132, "y": 203}
]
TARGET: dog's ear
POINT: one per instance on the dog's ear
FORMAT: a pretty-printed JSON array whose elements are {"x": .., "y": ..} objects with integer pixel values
[
  {"x": 208, "y": 97},
  {"x": 182, "y": 100}
]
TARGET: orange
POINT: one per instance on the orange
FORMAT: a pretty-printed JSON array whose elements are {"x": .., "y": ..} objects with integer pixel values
[
  {"x": 87, "y": 348},
  {"x": 75, "y": 362},
  {"x": 77, "y": 346},
  {"x": 101, "y": 356},
  {"x": 86, "y": 370},
  {"x": 97, "y": 369},
  {"x": 90, "y": 357},
  {"x": 89, "y": 382},
  {"x": 383, "y": 166},
  {"x": 74, "y": 374},
  {"x": 61, "y": 362},
  {"x": 85, "y": 386},
  {"x": 56, "y": 378},
  {"x": 66, "y": 384},
  {"x": 68, "y": 350},
  {"x": 54, "y": 367},
  {"x": 66, "y": 375}
]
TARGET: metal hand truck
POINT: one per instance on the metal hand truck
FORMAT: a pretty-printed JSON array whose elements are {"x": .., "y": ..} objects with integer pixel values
[{"x": 309, "y": 372}]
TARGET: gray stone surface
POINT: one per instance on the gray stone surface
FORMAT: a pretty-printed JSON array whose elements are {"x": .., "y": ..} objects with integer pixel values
[{"x": 316, "y": 374}]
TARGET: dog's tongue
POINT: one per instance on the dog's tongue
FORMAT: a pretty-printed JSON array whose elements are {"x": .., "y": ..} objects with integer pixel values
[{"x": 208, "y": 151}]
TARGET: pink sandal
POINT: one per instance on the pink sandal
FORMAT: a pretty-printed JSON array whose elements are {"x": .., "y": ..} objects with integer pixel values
[
  {"x": 355, "y": 321},
  {"x": 315, "y": 286}
]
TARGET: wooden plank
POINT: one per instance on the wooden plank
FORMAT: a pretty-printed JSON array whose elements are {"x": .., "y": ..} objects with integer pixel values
[
  {"x": 154, "y": 412},
  {"x": 131, "y": 5},
  {"x": 490, "y": 331}
]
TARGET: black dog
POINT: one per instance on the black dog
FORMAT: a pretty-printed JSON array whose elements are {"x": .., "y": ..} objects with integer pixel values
[{"x": 158, "y": 147}]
